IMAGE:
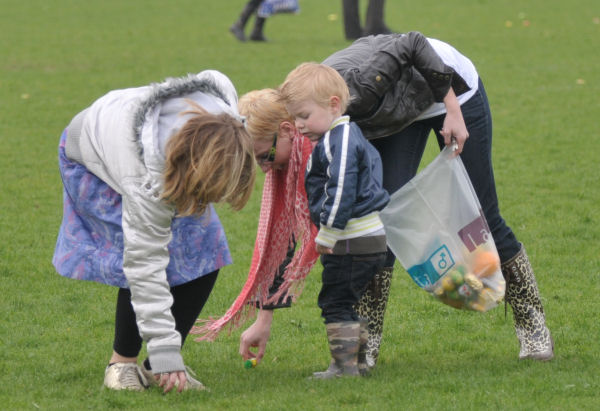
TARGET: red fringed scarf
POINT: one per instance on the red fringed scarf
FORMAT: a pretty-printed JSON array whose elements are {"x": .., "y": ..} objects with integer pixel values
[{"x": 284, "y": 215}]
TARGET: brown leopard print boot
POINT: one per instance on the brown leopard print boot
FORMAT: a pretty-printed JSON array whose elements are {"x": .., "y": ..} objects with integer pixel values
[
  {"x": 372, "y": 306},
  {"x": 523, "y": 296}
]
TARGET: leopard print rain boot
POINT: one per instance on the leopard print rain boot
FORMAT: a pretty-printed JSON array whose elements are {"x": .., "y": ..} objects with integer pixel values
[
  {"x": 523, "y": 296},
  {"x": 372, "y": 306}
]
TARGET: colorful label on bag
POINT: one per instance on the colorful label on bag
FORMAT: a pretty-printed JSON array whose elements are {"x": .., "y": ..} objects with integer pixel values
[
  {"x": 433, "y": 268},
  {"x": 475, "y": 233}
]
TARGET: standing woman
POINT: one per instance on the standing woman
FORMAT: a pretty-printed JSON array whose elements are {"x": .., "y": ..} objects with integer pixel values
[
  {"x": 404, "y": 86},
  {"x": 278, "y": 267},
  {"x": 140, "y": 168}
]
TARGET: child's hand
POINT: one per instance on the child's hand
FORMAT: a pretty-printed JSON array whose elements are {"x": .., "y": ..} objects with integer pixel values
[{"x": 321, "y": 249}]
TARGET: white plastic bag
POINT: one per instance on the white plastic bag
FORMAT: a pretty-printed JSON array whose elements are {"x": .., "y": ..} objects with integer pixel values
[{"x": 436, "y": 228}]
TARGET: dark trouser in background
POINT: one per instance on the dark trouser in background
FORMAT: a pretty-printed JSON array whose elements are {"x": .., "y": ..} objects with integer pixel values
[
  {"x": 374, "y": 21},
  {"x": 237, "y": 29}
]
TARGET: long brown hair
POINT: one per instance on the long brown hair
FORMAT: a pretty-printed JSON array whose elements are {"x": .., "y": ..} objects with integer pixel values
[{"x": 209, "y": 160}]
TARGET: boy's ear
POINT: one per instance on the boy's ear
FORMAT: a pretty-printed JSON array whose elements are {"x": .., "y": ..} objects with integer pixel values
[{"x": 335, "y": 103}]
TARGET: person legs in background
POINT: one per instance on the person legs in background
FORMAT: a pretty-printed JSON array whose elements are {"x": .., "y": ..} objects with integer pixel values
[
  {"x": 237, "y": 29},
  {"x": 351, "y": 15},
  {"x": 374, "y": 22},
  {"x": 123, "y": 371}
]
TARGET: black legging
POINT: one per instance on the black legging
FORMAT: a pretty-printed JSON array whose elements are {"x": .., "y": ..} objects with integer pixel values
[{"x": 188, "y": 300}]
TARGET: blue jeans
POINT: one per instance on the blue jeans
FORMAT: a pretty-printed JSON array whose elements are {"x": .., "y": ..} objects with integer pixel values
[
  {"x": 345, "y": 279},
  {"x": 401, "y": 154}
]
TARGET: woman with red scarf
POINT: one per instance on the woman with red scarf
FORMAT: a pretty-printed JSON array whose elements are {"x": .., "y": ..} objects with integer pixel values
[{"x": 276, "y": 276}]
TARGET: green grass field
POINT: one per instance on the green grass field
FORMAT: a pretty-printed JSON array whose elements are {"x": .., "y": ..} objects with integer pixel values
[{"x": 540, "y": 64}]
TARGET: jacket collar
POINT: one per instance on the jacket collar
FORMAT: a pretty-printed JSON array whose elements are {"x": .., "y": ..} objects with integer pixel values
[
  {"x": 338, "y": 121},
  {"x": 170, "y": 88}
]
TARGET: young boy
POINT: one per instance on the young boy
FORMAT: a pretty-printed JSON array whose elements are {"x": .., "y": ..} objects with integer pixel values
[{"x": 344, "y": 188}]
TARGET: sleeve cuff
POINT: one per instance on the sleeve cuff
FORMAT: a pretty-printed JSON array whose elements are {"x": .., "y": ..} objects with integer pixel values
[
  {"x": 281, "y": 303},
  {"x": 439, "y": 82},
  {"x": 327, "y": 236},
  {"x": 166, "y": 360}
]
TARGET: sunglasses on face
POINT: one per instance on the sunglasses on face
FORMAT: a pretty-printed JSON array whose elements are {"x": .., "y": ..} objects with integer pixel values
[{"x": 269, "y": 156}]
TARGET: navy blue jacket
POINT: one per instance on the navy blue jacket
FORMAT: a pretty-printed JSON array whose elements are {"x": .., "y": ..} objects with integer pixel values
[{"x": 344, "y": 178}]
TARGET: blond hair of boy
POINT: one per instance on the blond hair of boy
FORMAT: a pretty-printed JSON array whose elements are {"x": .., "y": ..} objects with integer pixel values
[{"x": 316, "y": 82}]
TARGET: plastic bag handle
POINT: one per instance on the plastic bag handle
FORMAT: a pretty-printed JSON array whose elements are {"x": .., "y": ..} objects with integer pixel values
[{"x": 453, "y": 144}]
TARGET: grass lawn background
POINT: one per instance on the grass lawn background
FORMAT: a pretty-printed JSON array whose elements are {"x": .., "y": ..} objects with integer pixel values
[{"x": 540, "y": 64}]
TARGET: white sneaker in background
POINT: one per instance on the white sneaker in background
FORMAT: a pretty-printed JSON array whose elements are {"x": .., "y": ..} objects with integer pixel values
[
  {"x": 190, "y": 384},
  {"x": 124, "y": 376}
]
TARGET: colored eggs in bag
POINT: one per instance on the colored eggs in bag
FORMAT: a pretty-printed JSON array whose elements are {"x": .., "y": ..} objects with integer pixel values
[
  {"x": 447, "y": 283},
  {"x": 485, "y": 263},
  {"x": 462, "y": 289},
  {"x": 457, "y": 277},
  {"x": 452, "y": 303},
  {"x": 474, "y": 305},
  {"x": 465, "y": 291},
  {"x": 473, "y": 282}
]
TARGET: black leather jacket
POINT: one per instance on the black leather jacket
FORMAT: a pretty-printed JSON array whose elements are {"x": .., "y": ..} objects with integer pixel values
[{"x": 392, "y": 79}]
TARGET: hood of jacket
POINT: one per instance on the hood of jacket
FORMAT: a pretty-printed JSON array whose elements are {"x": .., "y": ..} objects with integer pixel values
[{"x": 119, "y": 132}]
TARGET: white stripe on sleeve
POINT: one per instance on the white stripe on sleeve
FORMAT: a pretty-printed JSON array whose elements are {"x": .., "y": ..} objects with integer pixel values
[{"x": 341, "y": 175}]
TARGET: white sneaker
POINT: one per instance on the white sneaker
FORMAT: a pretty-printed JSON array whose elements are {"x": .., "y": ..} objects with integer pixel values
[
  {"x": 124, "y": 376},
  {"x": 148, "y": 375},
  {"x": 190, "y": 384}
]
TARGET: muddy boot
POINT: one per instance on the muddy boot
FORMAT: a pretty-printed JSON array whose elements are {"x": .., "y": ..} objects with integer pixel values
[
  {"x": 343, "y": 340},
  {"x": 372, "y": 307},
  {"x": 523, "y": 296},
  {"x": 374, "y": 21},
  {"x": 363, "y": 340},
  {"x": 352, "y": 29},
  {"x": 257, "y": 32},
  {"x": 237, "y": 28}
]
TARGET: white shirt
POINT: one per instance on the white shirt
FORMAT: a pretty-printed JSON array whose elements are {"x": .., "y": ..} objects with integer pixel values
[{"x": 463, "y": 66}]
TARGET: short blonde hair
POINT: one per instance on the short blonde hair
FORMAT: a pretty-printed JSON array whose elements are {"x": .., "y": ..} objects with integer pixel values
[
  {"x": 264, "y": 112},
  {"x": 317, "y": 82},
  {"x": 209, "y": 160}
]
